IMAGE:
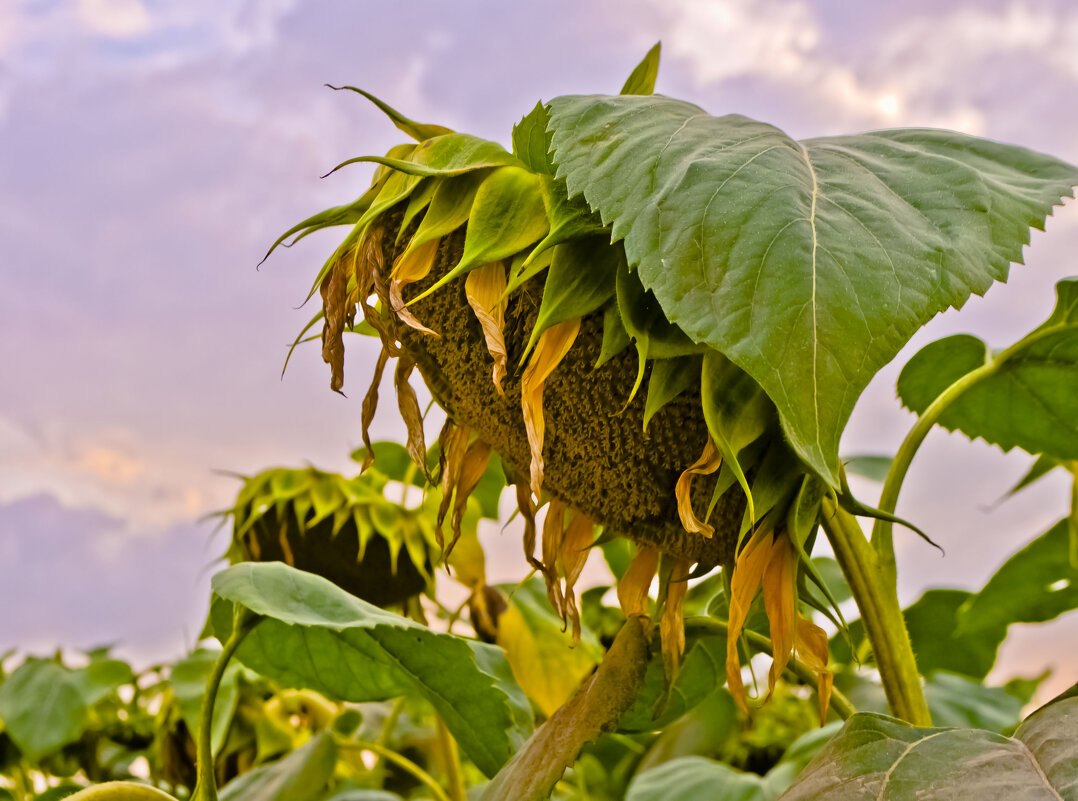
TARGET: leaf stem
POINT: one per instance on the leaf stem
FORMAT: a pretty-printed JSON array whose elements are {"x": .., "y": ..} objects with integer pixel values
[
  {"x": 447, "y": 747},
  {"x": 882, "y": 539},
  {"x": 872, "y": 583},
  {"x": 243, "y": 621},
  {"x": 840, "y": 704},
  {"x": 403, "y": 762}
]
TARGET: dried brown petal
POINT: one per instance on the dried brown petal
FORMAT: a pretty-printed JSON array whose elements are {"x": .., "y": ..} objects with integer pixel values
[
  {"x": 485, "y": 290},
  {"x": 710, "y": 461},
  {"x": 454, "y": 442},
  {"x": 370, "y": 405},
  {"x": 471, "y": 470},
  {"x": 575, "y": 550},
  {"x": 526, "y": 506},
  {"x": 413, "y": 418},
  {"x": 549, "y": 351},
  {"x": 334, "y": 291},
  {"x": 553, "y": 532}
]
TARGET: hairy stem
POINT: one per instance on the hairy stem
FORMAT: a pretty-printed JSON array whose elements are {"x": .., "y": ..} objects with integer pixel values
[
  {"x": 243, "y": 620},
  {"x": 840, "y": 704},
  {"x": 872, "y": 583}
]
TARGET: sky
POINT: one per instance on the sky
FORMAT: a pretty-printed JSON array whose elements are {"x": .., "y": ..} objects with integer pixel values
[{"x": 151, "y": 151}]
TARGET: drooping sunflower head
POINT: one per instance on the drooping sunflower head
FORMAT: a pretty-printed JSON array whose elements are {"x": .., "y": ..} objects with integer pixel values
[{"x": 519, "y": 308}]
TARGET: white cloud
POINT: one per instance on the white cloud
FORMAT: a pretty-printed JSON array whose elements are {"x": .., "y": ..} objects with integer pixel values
[{"x": 118, "y": 19}]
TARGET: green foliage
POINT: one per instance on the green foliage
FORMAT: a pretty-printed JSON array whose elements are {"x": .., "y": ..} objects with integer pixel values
[
  {"x": 877, "y": 757},
  {"x": 1029, "y": 396},
  {"x": 314, "y": 635},
  {"x": 802, "y": 262},
  {"x": 303, "y": 775}
]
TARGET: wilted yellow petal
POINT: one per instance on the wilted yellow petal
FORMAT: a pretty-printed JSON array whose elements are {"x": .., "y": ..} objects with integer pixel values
[
  {"x": 551, "y": 349},
  {"x": 370, "y": 405},
  {"x": 780, "y": 602},
  {"x": 811, "y": 646},
  {"x": 672, "y": 625},
  {"x": 472, "y": 468},
  {"x": 454, "y": 442},
  {"x": 413, "y": 418},
  {"x": 708, "y": 463},
  {"x": 575, "y": 549},
  {"x": 485, "y": 287},
  {"x": 634, "y": 584},
  {"x": 744, "y": 584},
  {"x": 412, "y": 266},
  {"x": 553, "y": 533}
]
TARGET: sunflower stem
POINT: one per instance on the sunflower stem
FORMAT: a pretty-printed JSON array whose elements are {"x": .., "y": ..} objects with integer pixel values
[
  {"x": 872, "y": 582},
  {"x": 243, "y": 621}
]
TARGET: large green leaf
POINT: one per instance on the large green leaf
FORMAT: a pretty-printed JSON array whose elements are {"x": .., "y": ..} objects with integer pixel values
[
  {"x": 877, "y": 758},
  {"x": 937, "y": 639},
  {"x": 42, "y": 707},
  {"x": 1028, "y": 399},
  {"x": 1038, "y": 583},
  {"x": 303, "y": 775},
  {"x": 317, "y": 636},
  {"x": 695, "y": 778},
  {"x": 809, "y": 264}
]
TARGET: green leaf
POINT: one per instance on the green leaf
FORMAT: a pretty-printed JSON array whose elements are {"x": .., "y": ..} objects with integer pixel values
[
  {"x": 1029, "y": 398},
  {"x": 580, "y": 280},
  {"x": 641, "y": 80},
  {"x": 877, "y": 758},
  {"x": 449, "y": 208},
  {"x": 303, "y": 775},
  {"x": 870, "y": 466},
  {"x": 42, "y": 707},
  {"x": 703, "y": 669},
  {"x": 531, "y": 140},
  {"x": 1041, "y": 467},
  {"x": 417, "y": 130},
  {"x": 569, "y": 217},
  {"x": 941, "y": 644},
  {"x": 187, "y": 678},
  {"x": 809, "y": 264},
  {"x": 669, "y": 378},
  {"x": 694, "y": 778},
  {"x": 318, "y": 637},
  {"x": 962, "y": 702},
  {"x": 615, "y": 337},
  {"x": 1036, "y": 584}
]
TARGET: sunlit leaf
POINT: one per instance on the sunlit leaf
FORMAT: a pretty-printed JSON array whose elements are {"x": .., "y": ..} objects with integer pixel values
[{"x": 642, "y": 79}]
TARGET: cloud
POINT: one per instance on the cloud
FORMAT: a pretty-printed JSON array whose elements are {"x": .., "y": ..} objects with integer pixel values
[{"x": 118, "y": 19}]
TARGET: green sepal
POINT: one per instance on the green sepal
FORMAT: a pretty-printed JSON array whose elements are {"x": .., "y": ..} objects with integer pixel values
[
  {"x": 641, "y": 80},
  {"x": 669, "y": 378},
  {"x": 737, "y": 412},
  {"x": 848, "y": 502},
  {"x": 615, "y": 337},
  {"x": 523, "y": 268},
  {"x": 1038, "y": 470},
  {"x": 449, "y": 208},
  {"x": 419, "y": 131},
  {"x": 444, "y": 156},
  {"x": 774, "y": 486},
  {"x": 419, "y": 201},
  {"x": 646, "y": 322},
  {"x": 507, "y": 216},
  {"x": 580, "y": 280},
  {"x": 531, "y": 140},
  {"x": 569, "y": 217}
]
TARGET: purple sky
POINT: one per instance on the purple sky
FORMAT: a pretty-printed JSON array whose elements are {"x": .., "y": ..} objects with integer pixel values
[{"x": 150, "y": 152}]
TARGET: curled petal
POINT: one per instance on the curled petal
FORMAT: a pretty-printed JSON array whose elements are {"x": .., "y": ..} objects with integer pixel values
[
  {"x": 454, "y": 442},
  {"x": 414, "y": 265},
  {"x": 553, "y": 533},
  {"x": 550, "y": 350},
  {"x": 744, "y": 584},
  {"x": 526, "y": 506},
  {"x": 811, "y": 646},
  {"x": 634, "y": 584},
  {"x": 472, "y": 467},
  {"x": 485, "y": 290},
  {"x": 370, "y": 405},
  {"x": 708, "y": 463},
  {"x": 672, "y": 625},
  {"x": 413, "y": 418},
  {"x": 334, "y": 291},
  {"x": 575, "y": 549},
  {"x": 780, "y": 602}
]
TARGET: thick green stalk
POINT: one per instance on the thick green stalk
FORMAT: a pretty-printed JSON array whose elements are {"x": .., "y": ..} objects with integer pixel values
[
  {"x": 872, "y": 583},
  {"x": 243, "y": 620}
]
